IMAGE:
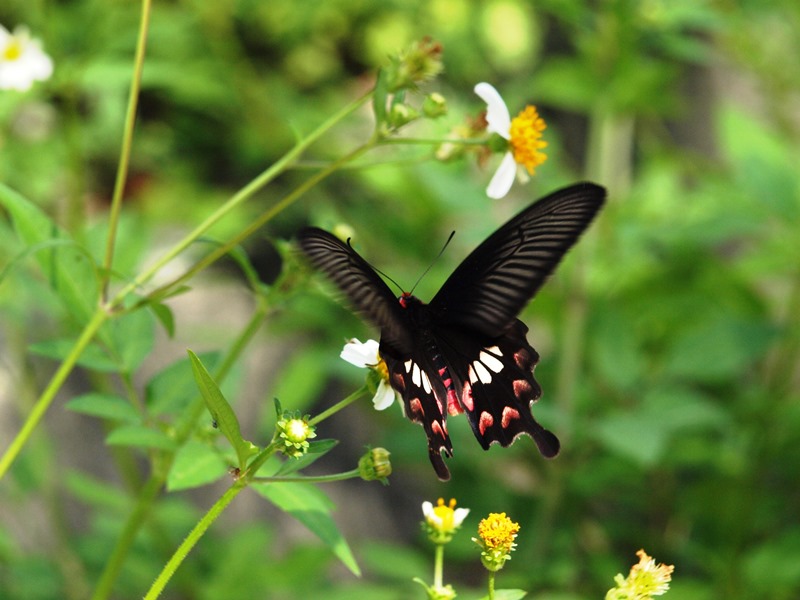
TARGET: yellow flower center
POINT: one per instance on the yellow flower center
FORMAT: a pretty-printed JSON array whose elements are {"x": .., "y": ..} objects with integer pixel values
[
  {"x": 382, "y": 369},
  {"x": 526, "y": 139},
  {"x": 498, "y": 532},
  {"x": 446, "y": 514},
  {"x": 13, "y": 50}
]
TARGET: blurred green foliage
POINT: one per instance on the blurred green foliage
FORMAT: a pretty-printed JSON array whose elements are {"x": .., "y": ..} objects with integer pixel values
[{"x": 670, "y": 338}]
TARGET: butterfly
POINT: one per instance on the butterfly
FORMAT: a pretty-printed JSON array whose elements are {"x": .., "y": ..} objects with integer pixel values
[{"x": 466, "y": 351}]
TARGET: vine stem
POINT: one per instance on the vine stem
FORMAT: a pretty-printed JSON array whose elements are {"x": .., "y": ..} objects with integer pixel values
[
  {"x": 43, "y": 403},
  {"x": 127, "y": 141},
  {"x": 362, "y": 391},
  {"x": 194, "y": 536}
]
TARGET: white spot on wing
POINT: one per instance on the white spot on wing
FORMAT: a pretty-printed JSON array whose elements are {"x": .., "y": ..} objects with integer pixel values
[
  {"x": 483, "y": 374},
  {"x": 426, "y": 383},
  {"x": 415, "y": 376},
  {"x": 408, "y": 364},
  {"x": 491, "y": 362}
]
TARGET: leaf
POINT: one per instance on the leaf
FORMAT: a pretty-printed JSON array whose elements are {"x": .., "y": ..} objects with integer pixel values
[
  {"x": 69, "y": 269},
  {"x": 221, "y": 411},
  {"x": 316, "y": 450},
  {"x": 140, "y": 436},
  {"x": 165, "y": 316},
  {"x": 130, "y": 338},
  {"x": 195, "y": 464},
  {"x": 173, "y": 388},
  {"x": 507, "y": 595},
  {"x": 93, "y": 357},
  {"x": 104, "y": 406},
  {"x": 309, "y": 505}
]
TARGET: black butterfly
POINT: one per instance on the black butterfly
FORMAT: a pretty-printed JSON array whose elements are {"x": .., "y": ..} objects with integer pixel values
[{"x": 466, "y": 350}]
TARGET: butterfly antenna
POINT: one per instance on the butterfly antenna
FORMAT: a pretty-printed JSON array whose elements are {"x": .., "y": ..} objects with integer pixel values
[
  {"x": 377, "y": 270},
  {"x": 433, "y": 262}
]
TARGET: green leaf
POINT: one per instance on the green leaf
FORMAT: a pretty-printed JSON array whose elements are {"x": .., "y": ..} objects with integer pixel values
[
  {"x": 173, "y": 388},
  {"x": 309, "y": 505},
  {"x": 221, "y": 411},
  {"x": 93, "y": 357},
  {"x": 195, "y": 464},
  {"x": 507, "y": 595},
  {"x": 165, "y": 316},
  {"x": 316, "y": 450},
  {"x": 130, "y": 338},
  {"x": 140, "y": 436},
  {"x": 104, "y": 406},
  {"x": 69, "y": 269}
]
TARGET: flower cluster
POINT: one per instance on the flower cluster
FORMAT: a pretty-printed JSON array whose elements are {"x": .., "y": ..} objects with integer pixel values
[
  {"x": 22, "y": 60},
  {"x": 645, "y": 580},
  {"x": 496, "y": 537}
]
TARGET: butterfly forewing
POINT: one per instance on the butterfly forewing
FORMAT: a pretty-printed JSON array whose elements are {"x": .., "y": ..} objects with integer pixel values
[
  {"x": 359, "y": 282},
  {"x": 495, "y": 282}
]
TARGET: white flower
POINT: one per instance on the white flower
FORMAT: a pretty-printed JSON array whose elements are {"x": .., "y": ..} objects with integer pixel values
[
  {"x": 443, "y": 519},
  {"x": 523, "y": 134},
  {"x": 366, "y": 356},
  {"x": 22, "y": 60}
]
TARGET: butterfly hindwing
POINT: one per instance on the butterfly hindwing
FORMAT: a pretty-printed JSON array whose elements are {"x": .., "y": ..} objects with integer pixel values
[
  {"x": 495, "y": 282},
  {"x": 496, "y": 386}
]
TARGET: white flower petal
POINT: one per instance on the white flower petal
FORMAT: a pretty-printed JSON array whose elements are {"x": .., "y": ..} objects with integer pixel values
[
  {"x": 384, "y": 396},
  {"x": 360, "y": 354},
  {"x": 503, "y": 178},
  {"x": 427, "y": 508},
  {"x": 497, "y": 115},
  {"x": 459, "y": 515}
]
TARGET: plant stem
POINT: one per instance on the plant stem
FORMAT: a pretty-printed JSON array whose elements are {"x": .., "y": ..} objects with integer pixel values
[
  {"x": 265, "y": 217},
  {"x": 362, "y": 391},
  {"x": 492, "y": 575},
  {"x": 49, "y": 393},
  {"x": 438, "y": 566},
  {"x": 311, "y": 479},
  {"x": 194, "y": 536},
  {"x": 125, "y": 152},
  {"x": 242, "y": 195}
]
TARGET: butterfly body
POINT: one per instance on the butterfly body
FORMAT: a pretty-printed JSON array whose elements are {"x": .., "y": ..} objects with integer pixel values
[{"x": 466, "y": 351}]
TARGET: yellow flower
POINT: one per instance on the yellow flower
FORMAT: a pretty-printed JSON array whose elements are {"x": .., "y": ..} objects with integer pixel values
[
  {"x": 443, "y": 520},
  {"x": 645, "y": 580},
  {"x": 496, "y": 536},
  {"x": 22, "y": 60},
  {"x": 524, "y": 137}
]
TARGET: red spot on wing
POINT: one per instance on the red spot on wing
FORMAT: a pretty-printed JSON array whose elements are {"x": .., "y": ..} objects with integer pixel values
[
  {"x": 485, "y": 422},
  {"x": 522, "y": 388},
  {"x": 415, "y": 406},
  {"x": 509, "y": 414},
  {"x": 466, "y": 396},
  {"x": 437, "y": 429},
  {"x": 453, "y": 407}
]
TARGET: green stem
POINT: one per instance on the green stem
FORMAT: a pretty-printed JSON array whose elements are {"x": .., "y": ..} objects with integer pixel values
[
  {"x": 265, "y": 217},
  {"x": 311, "y": 479},
  {"x": 127, "y": 139},
  {"x": 191, "y": 540},
  {"x": 438, "y": 567},
  {"x": 362, "y": 391},
  {"x": 144, "y": 504},
  {"x": 148, "y": 494},
  {"x": 44, "y": 401},
  {"x": 492, "y": 575},
  {"x": 400, "y": 141},
  {"x": 241, "y": 196}
]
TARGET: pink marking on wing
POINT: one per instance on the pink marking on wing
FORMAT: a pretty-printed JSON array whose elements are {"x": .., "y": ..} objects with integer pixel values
[
  {"x": 466, "y": 396},
  {"x": 415, "y": 406},
  {"x": 453, "y": 406},
  {"x": 436, "y": 428},
  {"x": 523, "y": 359},
  {"x": 485, "y": 422},
  {"x": 442, "y": 371},
  {"x": 521, "y": 387},
  {"x": 509, "y": 414}
]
